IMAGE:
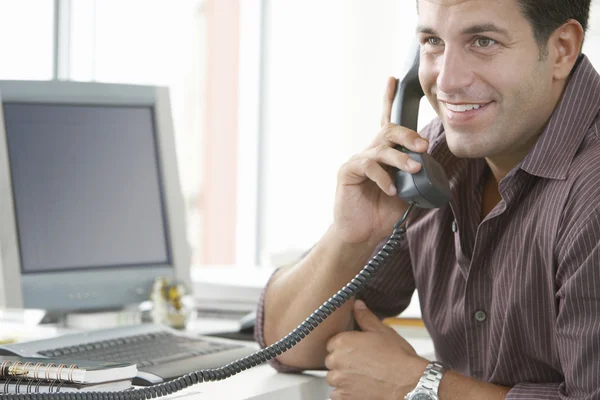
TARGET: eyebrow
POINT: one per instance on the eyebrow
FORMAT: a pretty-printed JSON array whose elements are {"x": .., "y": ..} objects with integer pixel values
[{"x": 471, "y": 30}]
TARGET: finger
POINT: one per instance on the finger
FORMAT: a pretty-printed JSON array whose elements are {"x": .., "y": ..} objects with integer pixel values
[
  {"x": 335, "y": 395},
  {"x": 386, "y": 155},
  {"x": 393, "y": 135},
  {"x": 357, "y": 171},
  {"x": 388, "y": 100},
  {"x": 331, "y": 361},
  {"x": 368, "y": 321},
  {"x": 339, "y": 341},
  {"x": 334, "y": 342},
  {"x": 333, "y": 378},
  {"x": 354, "y": 172},
  {"x": 372, "y": 165}
]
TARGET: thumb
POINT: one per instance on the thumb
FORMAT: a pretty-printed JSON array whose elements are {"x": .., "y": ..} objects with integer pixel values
[{"x": 365, "y": 318}]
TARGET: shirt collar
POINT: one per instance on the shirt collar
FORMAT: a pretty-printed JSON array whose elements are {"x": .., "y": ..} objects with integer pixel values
[{"x": 557, "y": 145}]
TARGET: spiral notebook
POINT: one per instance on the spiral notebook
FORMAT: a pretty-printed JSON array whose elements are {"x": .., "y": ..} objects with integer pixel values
[
  {"x": 22, "y": 385},
  {"x": 65, "y": 370}
]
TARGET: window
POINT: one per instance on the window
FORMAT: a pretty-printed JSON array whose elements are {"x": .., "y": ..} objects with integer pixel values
[{"x": 26, "y": 39}]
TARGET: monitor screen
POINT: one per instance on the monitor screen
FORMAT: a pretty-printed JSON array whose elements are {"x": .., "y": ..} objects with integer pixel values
[
  {"x": 91, "y": 211},
  {"x": 86, "y": 186}
]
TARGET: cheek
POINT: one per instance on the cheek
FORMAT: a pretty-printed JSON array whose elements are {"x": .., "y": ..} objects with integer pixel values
[
  {"x": 518, "y": 95},
  {"x": 521, "y": 88},
  {"x": 427, "y": 77}
]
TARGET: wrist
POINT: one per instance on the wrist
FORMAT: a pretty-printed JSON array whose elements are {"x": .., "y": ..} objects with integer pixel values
[
  {"x": 428, "y": 385},
  {"x": 349, "y": 251},
  {"x": 417, "y": 366}
]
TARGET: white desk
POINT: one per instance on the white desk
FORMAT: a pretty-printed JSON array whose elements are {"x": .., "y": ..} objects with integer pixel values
[{"x": 261, "y": 383}]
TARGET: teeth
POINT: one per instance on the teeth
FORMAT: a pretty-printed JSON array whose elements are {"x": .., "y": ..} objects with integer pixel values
[{"x": 462, "y": 107}]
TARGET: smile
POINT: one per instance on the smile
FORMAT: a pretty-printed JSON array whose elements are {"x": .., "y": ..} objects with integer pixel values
[
  {"x": 466, "y": 113},
  {"x": 463, "y": 107}
]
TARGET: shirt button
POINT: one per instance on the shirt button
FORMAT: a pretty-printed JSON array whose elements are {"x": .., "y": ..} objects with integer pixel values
[
  {"x": 454, "y": 226},
  {"x": 480, "y": 316}
]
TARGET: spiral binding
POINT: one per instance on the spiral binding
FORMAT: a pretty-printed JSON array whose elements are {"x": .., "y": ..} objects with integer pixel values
[
  {"x": 10, "y": 369},
  {"x": 261, "y": 356}
]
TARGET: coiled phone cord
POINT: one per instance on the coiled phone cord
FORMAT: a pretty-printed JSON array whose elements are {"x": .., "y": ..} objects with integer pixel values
[{"x": 261, "y": 356}]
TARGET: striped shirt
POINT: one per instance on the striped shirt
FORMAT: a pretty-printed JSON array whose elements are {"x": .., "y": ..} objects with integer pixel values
[{"x": 514, "y": 299}]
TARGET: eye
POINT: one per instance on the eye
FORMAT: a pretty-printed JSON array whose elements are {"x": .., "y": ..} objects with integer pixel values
[
  {"x": 483, "y": 42},
  {"x": 433, "y": 41}
]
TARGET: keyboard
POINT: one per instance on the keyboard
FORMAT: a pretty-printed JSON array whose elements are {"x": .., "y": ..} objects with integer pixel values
[{"x": 160, "y": 353}]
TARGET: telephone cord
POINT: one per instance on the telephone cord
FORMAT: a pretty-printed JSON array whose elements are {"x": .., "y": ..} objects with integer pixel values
[{"x": 261, "y": 356}]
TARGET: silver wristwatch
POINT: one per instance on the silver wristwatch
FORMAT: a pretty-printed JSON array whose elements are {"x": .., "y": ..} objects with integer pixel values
[{"x": 427, "y": 388}]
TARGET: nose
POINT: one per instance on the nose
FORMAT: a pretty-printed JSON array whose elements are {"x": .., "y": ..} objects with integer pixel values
[{"x": 454, "y": 72}]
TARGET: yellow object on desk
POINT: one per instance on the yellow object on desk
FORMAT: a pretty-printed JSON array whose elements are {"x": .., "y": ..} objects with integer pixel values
[{"x": 404, "y": 322}]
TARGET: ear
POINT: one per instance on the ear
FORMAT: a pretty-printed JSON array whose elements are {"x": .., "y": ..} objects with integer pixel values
[{"x": 565, "y": 45}]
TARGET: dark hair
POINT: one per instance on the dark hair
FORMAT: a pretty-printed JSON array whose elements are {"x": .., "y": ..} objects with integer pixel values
[{"x": 545, "y": 16}]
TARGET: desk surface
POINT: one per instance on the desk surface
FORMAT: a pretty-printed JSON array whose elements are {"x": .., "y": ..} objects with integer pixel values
[{"x": 261, "y": 383}]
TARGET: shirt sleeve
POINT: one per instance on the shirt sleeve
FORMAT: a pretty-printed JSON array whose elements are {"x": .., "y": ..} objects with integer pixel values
[
  {"x": 577, "y": 323},
  {"x": 532, "y": 391}
]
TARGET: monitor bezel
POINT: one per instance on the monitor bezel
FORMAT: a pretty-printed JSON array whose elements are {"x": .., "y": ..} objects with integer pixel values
[{"x": 96, "y": 288}]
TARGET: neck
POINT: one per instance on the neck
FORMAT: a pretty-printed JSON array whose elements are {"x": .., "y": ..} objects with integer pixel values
[
  {"x": 500, "y": 166},
  {"x": 491, "y": 195}
]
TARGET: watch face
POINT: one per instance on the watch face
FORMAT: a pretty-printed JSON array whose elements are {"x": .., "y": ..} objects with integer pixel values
[{"x": 421, "y": 396}]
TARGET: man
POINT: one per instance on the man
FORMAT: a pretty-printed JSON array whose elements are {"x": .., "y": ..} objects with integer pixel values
[{"x": 508, "y": 274}]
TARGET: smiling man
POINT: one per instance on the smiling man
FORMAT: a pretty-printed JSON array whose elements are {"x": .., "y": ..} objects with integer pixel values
[{"x": 508, "y": 274}]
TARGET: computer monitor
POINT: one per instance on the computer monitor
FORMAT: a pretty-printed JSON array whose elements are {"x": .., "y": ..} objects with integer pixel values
[{"x": 91, "y": 211}]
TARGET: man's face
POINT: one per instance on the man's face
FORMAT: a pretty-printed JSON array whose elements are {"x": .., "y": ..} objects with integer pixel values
[{"x": 481, "y": 71}]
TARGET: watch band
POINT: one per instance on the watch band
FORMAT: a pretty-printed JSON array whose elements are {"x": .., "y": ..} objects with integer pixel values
[{"x": 432, "y": 376}]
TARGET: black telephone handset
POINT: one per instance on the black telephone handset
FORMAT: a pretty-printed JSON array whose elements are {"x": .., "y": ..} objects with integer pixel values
[{"x": 428, "y": 189}]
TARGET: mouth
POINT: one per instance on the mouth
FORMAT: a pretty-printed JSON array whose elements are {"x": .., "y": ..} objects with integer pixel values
[{"x": 464, "y": 112}]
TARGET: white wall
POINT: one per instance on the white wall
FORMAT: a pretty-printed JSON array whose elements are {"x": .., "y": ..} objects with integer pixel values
[{"x": 591, "y": 46}]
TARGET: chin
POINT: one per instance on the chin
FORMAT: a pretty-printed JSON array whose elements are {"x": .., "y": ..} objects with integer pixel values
[
  {"x": 461, "y": 152},
  {"x": 462, "y": 146}
]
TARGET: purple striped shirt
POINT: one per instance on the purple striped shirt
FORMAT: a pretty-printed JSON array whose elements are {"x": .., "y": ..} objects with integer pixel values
[{"x": 514, "y": 299}]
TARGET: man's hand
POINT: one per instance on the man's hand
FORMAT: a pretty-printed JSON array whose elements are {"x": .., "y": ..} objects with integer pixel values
[
  {"x": 376, "y": 363},
  {"x": 366, "y": 205}
]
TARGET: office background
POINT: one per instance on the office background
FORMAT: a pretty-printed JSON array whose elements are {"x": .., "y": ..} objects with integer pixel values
[{"x": 269, "y": 97}]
